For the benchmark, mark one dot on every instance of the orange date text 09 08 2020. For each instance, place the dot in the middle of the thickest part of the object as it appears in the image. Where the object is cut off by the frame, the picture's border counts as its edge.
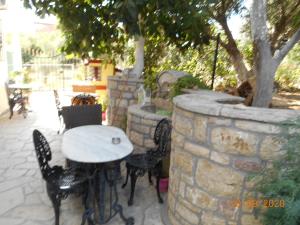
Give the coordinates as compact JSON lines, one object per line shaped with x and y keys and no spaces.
{"x":255,"y":203}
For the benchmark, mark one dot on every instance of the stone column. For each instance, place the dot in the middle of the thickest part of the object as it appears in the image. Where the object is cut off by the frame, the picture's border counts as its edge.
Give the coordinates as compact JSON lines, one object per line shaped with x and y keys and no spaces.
{"x":216,"y":144}
{"x":122,"y":92}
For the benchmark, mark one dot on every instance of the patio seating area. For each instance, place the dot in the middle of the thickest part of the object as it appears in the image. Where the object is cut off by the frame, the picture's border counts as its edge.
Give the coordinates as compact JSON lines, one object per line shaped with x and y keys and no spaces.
{"x":23,"y":193}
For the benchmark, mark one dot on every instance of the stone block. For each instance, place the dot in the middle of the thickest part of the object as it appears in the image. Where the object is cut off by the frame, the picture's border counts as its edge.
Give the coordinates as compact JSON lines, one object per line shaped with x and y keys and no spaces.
{"x":218,"y":180}
{"x":171,"y":202}
{"x":220,"y":157}
{"x":200,"y":125}
{"x":140,"y":128}
{"x":173,"y":220}
{"x":137,"y":138}
{"x":208,"y":218}
{"x":114,"y":94}
{"x":189,"y":179}
{"x":182,"y":189}
{"x":216,"y":121}
{"x":257,"y":127}
{"x":201,"y":198}
{"x":184,"y":125}
{"x":122,"y":103}
{"x":149,"y":122}
{"x":184,"y":161}
{"x":232,"y":141}
{"x":127,"y":88}
{"x":270,"y":148}
{"x":174,"y":179}
{"x":249,"y":219}
{"x":248,"y":164}
{"x":229,"y":209}
{"x":196,"y":149}
{"x":184,"y":113}
{"x":127,"y":95}
{"x":187,"y":214}
{"x":112,"y":84}
{"x":177,"y":139}
{"x":135,"y":119}
{"x":247,"y":207}
{"x":194,"y":208}
{"x":148,"y":143}
{"x":132,"y":101}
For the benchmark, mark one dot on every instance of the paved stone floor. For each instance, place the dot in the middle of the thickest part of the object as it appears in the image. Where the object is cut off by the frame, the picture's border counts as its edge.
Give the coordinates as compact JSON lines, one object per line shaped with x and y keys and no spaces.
{"x":23,"y":199}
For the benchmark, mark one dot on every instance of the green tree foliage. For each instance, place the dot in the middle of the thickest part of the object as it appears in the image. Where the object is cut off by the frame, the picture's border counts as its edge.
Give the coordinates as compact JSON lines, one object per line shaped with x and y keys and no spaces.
{"x":188,"y":82}
{"x":103,"y":27}
{"x":160,"y":56}
{"x":40,"y":44}
{"x":282,"y":180}
{"x":288,"y":73}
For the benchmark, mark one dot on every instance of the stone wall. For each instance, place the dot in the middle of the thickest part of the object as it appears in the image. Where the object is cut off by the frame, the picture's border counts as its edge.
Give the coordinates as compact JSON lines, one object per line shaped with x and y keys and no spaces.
{"x":141,"y":126}
{"x":122,"y":92}
{"x":214,"y":147}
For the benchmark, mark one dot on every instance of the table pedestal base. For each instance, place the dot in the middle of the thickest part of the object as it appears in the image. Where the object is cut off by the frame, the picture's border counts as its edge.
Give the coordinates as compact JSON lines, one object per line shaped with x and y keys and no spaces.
{"x":102,"y":197}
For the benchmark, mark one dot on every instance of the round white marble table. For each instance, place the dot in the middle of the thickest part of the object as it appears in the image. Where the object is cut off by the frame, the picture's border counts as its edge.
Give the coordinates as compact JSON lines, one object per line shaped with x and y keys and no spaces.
{"x":92,"y":147}
{"x":93,"y":144}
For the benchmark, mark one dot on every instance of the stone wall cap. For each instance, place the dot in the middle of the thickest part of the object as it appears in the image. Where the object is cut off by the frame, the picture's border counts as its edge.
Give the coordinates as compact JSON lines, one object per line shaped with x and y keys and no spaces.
{"x":125,"y":79}
{"x":136,"y":110}
{"x":224,"y":105}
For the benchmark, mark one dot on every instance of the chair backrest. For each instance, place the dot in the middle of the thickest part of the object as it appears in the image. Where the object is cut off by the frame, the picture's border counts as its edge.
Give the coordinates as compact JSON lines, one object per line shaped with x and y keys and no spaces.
{"x":162,"y":137}
{"x":80,"y":115}
{"x":84,"y":99}
{"x":43,"y":153}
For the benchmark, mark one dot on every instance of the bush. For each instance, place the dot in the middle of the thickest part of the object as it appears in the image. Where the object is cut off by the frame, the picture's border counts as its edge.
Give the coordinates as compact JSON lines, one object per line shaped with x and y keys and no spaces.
{"x":282,"y":180}
{"x":187,"y":82}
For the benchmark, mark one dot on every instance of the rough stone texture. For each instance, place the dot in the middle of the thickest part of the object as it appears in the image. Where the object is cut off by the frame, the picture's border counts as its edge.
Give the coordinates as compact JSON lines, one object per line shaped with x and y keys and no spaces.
{"x":214,"y":146}
{"x":209,"y":219}
{"x":23,"y":196}
{"x":141,"y":126}
{"x":220,"y":157}
{"x":270,"y":148}
{"x":201,"y":199}
{"x":234,"y":141}
{"x":218,"y":180}
{"x":196,"y":149}
{"x":121,"y":94}
{"x":257,"y":127}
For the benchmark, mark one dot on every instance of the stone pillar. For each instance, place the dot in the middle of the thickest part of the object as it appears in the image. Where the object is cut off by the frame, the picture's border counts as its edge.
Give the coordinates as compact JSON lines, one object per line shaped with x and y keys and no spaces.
{"x":122,"y":92}
{"x":216,"y":143}
{"x":141,"y":124}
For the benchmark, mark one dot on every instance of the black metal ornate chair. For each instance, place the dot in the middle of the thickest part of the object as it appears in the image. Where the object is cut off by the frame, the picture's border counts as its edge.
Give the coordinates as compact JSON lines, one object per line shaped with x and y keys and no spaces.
{"x":151,"y":162}
{"x":80,"y":115}
{"x":59,"y":182}
{"x":15,"y":98}
{"x":59,"y":109}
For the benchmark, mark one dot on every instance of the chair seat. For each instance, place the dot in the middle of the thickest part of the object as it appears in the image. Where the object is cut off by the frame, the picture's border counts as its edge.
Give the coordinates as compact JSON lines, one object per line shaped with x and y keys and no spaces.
{"x":144,"y":161}
{"x":69,"y":180}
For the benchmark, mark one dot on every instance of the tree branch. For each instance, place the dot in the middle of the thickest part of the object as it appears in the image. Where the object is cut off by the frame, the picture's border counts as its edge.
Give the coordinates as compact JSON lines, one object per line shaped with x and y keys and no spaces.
{"x":280,"y":54}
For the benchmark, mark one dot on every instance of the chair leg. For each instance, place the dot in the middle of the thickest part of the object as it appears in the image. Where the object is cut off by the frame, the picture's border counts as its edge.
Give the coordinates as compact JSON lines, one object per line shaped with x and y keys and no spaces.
{"x":133,"y":177}
{"x":159,"y":168}
{"x":150,"y":177}
{"x":11,"y":110}
{"x":127,"y":175}
{"x":55,"y":199}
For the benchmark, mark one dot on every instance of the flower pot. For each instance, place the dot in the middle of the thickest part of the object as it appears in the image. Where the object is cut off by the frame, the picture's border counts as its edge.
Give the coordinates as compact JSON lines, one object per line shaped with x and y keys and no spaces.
{"x":103,"y":116}
{"x":163,"y":184}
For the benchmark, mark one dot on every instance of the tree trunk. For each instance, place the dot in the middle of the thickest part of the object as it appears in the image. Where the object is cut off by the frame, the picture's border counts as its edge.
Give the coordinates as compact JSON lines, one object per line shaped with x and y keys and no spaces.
{"x":233,"y":51}
{"x":264,"y":69}
{"x":139,"y":57}
{"x":264,"y":64}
